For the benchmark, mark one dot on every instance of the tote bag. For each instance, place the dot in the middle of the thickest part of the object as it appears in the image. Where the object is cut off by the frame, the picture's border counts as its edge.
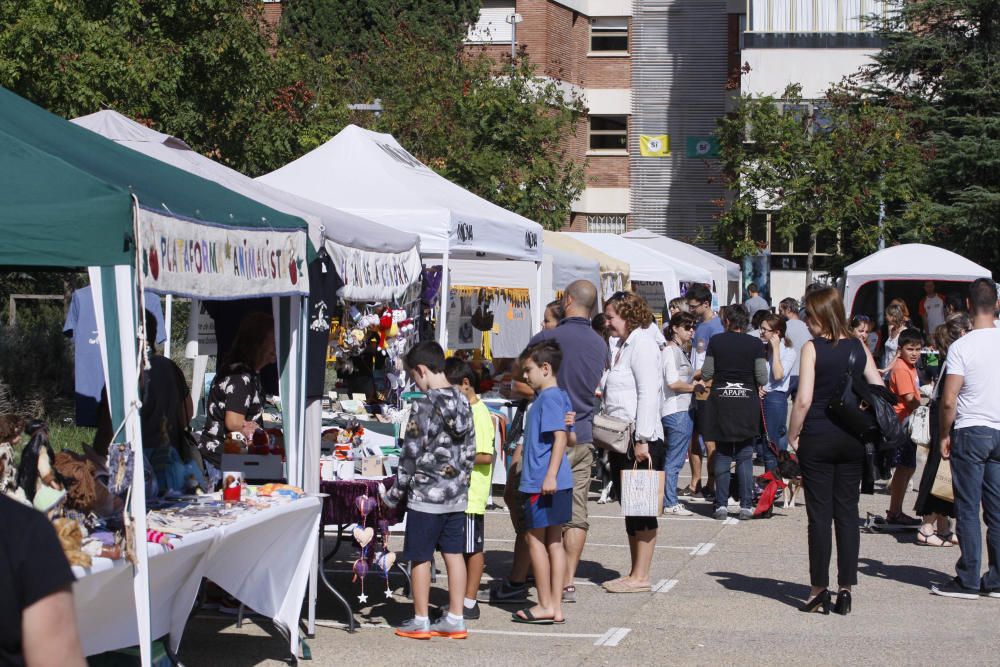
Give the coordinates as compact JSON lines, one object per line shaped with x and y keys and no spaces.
{"x":942,"y":482}
{"x":641,"y":491}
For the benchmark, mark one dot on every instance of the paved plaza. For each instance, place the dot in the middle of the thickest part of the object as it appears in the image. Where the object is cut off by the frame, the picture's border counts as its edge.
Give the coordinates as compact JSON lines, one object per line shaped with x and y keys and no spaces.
{"x":725,"y":593}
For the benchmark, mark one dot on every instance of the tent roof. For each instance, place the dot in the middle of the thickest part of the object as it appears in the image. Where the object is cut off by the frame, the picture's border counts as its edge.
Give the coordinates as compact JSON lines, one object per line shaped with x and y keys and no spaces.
{"x":370,"y":174}
{"x":608,"y":263}
{"x":733,"y":271}
{"x":67,"y":197}
{"x":339,"y":226}
{"x":568,"y":267}
{"x":915,"y":261}
{"x":325,"y":223}
{"x":644,"y":264}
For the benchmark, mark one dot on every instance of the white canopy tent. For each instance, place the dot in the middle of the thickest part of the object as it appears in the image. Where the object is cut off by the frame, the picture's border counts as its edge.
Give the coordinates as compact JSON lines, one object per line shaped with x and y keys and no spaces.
{"x":372,"y":175}
{"x":560,"y":268}
{"x":376,"y":263}
{"x":910,"y":261}
{"x":723,"y":271}
{"x":646,"y":265}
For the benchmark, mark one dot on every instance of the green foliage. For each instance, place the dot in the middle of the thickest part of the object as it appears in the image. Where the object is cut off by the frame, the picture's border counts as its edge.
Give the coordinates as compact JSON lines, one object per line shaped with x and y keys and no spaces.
{"x":36,"y":359}
{"x":499,"y":133}
{"x":829,"y":168}
{"x":942,"y":60}
{"x":354,"y":27}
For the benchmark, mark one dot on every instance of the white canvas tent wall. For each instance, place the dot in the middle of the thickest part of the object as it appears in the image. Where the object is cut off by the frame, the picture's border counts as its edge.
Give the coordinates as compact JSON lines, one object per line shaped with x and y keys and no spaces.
{"x":561,"y":268}
{"x":372,"y":175}
{"x":910,"y":261}
{"x":723,"y":271}
{"x":387,"y":258}
{"x":614,"y":272}
{"x":644,"y":264}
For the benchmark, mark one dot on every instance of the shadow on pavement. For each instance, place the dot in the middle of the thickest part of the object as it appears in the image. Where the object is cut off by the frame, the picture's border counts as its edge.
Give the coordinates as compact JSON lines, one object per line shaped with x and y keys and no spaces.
{"x":915,"y":575}
{"x":783,"y":591}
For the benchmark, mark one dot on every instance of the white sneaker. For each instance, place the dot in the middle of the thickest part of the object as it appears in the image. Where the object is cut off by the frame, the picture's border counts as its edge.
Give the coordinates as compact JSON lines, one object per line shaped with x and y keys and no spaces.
{"x":678,"y":510}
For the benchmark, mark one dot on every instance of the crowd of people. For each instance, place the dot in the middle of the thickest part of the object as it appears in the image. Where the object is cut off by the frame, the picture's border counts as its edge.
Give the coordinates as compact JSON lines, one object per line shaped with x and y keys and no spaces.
{"x":717,"y":389}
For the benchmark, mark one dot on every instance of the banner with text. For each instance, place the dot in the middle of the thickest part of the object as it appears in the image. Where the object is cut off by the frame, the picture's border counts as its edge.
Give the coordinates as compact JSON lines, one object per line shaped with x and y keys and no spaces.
{"x":190,"y":258}
{"x":374,"y":276}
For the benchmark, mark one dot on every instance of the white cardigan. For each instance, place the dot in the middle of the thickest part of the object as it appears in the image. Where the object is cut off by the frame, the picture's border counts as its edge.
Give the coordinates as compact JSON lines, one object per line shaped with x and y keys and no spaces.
{"x":633,"y":387}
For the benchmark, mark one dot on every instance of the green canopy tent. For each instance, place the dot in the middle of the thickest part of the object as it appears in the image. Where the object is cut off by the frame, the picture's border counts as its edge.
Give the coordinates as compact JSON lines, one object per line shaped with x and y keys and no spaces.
{"x":71,"y":199}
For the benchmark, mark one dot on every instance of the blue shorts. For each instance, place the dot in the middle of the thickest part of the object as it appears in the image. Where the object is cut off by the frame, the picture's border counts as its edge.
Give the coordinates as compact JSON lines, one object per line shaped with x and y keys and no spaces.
{"x":550,"y":510}
{"x":905,"y":455}
{"x":425,"y":532}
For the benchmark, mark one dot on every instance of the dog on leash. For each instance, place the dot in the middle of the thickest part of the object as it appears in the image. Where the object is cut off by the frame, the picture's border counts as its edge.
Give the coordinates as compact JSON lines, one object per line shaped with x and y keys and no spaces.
{"x":603,"y":475}
{"x":791,"y":475}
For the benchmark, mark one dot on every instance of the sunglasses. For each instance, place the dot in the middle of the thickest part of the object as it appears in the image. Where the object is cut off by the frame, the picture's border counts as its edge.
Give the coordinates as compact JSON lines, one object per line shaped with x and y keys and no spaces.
{"x":687,"y":327}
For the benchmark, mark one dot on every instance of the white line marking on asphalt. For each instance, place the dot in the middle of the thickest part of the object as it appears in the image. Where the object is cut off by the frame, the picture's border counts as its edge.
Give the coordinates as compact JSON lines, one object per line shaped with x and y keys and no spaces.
{"x":664,"y":585}
{"x":612,"y":637}
{"x":702,"y":549}
{"x":619,"y":517}
{"x":731,"y":521}
{"x":616,"y":546}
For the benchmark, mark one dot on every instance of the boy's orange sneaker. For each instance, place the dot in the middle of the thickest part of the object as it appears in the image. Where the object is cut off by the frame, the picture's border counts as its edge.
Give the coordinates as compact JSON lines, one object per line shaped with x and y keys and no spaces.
{"x":414,"y":629}
{"x":444,"y":627}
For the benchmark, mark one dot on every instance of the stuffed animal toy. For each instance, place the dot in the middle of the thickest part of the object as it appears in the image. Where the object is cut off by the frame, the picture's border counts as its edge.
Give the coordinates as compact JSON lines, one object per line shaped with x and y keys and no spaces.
{"x":10,"y":433}
{"x":36,"y":469}
{"x":71,"y":538}
{"x":84,"y":492}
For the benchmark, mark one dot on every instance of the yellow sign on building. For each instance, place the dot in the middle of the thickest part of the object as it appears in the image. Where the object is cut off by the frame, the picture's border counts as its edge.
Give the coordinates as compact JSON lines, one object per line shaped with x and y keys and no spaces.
{"x":654,"y":145}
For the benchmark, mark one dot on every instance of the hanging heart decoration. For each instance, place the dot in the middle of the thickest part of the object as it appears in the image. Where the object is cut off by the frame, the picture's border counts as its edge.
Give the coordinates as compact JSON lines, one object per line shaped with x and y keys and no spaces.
{"x":383,"y":526}
{"x":365,"y":504}
{"x":384,"y":561}
{"x":361,"y":567}
{"x":364,"y":536}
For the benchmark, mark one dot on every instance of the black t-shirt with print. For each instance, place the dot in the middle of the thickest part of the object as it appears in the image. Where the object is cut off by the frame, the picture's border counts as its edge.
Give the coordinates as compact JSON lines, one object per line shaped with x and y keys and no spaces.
{"x":324,"y":281}
{"x":32,"y":567}
{"x":237,"y":390}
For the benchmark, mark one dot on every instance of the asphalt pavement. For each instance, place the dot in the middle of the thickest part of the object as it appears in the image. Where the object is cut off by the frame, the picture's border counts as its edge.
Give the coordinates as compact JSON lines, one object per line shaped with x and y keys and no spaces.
{"x":725,"y":593}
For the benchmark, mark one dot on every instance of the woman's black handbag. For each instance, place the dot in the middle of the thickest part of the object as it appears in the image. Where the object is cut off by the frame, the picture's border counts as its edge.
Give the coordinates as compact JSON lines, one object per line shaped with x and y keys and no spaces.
{"x":865,"y":411}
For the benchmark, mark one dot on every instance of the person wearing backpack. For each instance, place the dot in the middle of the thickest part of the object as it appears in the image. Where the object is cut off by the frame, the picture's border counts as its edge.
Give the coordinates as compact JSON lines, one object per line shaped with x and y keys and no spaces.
{"x":831,"y":458}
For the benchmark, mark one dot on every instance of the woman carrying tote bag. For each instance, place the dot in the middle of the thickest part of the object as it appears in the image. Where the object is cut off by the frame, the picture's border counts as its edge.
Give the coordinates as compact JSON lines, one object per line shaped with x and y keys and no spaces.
{"x":735,"y":363}
{"x":632,"y":391}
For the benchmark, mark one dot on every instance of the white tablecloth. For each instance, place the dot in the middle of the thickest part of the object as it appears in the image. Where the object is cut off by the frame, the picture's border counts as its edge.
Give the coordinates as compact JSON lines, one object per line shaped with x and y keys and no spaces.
{"x":260,"y":559}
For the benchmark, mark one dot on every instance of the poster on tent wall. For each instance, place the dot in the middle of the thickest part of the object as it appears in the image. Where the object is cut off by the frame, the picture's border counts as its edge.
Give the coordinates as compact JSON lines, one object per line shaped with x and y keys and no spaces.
{"x":374,"y":276}
{"x":189,"y":258}
{"x":462,"y":335}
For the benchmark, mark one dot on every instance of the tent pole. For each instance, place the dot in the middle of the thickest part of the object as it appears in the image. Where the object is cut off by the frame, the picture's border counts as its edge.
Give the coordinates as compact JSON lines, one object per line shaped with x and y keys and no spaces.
{"x":536,"y":312}
{"x":168,"y":324}
{"x":445,"y":289}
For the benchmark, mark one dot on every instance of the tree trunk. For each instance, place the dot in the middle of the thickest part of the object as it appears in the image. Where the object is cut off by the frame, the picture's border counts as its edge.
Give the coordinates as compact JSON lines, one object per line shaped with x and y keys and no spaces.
{"x":810,"y":258}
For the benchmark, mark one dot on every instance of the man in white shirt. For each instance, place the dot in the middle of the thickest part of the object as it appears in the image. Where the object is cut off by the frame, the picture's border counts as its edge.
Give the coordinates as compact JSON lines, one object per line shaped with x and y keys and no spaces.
{"x":798,"y":333}
{"x":931,"y":308}
{"x":970,"y":402}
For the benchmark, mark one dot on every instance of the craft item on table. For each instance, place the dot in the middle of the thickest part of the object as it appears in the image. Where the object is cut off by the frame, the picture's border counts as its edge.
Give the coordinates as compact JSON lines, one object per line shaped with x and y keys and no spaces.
{"x":371,"y":466}
{"x":71,"y":539}
{"x":232,"y":487}
{"x":121,"y":462}
{"x":96,"y":549}
{"x":235,"y":443}
{"x":156,"y":537}
{"x":85,"y":493}
{"x":35,"y":472}
{"x":284,"y":490}
{"x":10,"y":434}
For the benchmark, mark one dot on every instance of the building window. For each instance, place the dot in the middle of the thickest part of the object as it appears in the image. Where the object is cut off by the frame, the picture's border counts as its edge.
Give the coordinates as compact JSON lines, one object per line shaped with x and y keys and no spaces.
{"x":608,"y":133}
{"x":790,"y":254}
{"x":492,"y":26}
{"x":606,"y":224}
{"x":609,"y":34}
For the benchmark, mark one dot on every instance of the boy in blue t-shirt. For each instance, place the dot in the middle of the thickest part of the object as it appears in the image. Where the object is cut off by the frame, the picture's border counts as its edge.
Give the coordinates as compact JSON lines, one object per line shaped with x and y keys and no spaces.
{"x":546,"y":481}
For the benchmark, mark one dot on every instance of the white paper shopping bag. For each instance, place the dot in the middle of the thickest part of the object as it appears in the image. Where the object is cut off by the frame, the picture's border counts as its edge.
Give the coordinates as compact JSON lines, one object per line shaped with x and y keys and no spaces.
{"x":642,"y":492}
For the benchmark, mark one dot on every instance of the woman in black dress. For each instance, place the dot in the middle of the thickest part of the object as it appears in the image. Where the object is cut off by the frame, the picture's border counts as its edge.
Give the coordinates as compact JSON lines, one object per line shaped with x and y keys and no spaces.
{"x":831,"y":459}
{"x":936,"y":528}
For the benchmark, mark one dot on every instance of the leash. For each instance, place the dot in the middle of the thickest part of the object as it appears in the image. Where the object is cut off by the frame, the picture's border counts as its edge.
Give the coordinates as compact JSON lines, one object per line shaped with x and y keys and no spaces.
{"x":770,"y":443}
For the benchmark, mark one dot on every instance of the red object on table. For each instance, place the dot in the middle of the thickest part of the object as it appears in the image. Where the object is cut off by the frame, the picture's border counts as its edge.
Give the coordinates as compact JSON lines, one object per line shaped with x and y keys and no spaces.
{"x":233,"y":493}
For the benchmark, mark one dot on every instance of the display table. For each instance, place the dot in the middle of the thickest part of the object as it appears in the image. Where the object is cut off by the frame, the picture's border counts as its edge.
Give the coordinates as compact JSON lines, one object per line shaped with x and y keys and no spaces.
{"x":339,"y":510}
{"x":261,"y":559}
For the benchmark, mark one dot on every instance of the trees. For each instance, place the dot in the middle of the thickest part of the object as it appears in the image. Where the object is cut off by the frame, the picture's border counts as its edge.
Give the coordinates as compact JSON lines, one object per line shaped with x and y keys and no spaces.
{"x":200,"y":69}
{"x":829,"y":167}
{"x":358,"y":26}
{"x":942,"y":59}
{"x":500,"y":133}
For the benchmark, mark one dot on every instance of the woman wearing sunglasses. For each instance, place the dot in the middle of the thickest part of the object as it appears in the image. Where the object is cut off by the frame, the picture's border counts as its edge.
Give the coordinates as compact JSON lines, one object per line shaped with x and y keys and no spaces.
{"x":780,"y":355}
{"x":676,"y":406}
